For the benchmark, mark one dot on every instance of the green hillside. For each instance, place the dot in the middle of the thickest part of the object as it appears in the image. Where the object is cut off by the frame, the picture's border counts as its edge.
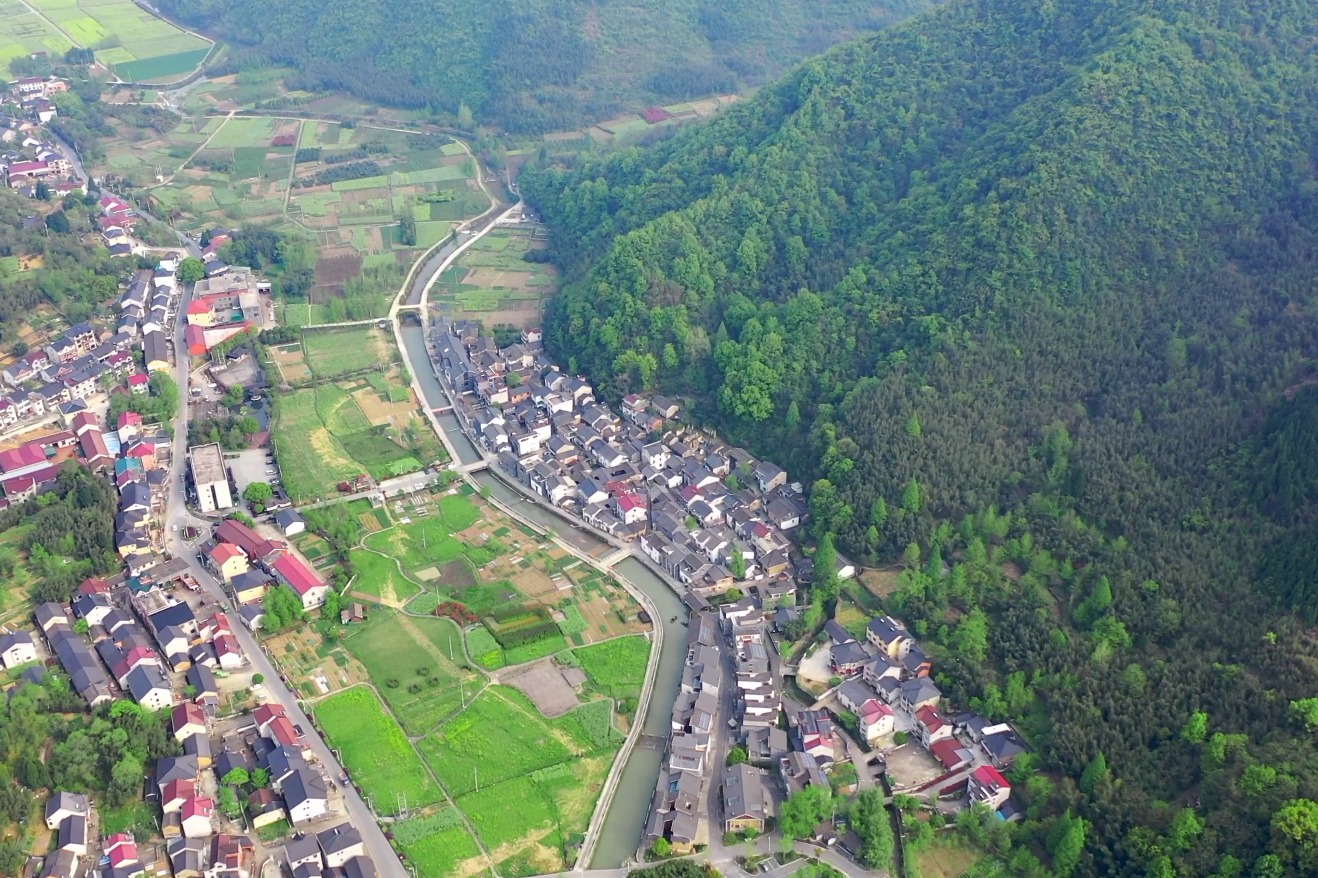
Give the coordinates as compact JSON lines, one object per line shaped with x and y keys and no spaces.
{"x":1019,"y":288}
{"x":536,"y":65}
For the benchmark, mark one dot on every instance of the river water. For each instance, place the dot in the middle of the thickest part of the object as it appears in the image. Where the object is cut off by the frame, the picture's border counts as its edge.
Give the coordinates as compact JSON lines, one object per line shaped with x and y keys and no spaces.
{"x":625,"y":821}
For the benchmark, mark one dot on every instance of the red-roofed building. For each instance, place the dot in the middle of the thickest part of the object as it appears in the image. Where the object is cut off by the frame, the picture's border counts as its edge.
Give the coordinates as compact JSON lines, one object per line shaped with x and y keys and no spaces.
{"x":950,"y":754}
{"x":304,"y":582}
{"x":228,"y":652}
{"x":139,"y":383}
{"x":281,"y":731}
{"x":186,"y":720}
{"x":22,"y":460}
{"x":174,"y":793}
{"x":257,"y":547}
{"x":632,"y":508}
{"x":94,"y":450}
{"x":35,"y":482}
{"x":93,"y":585}
{"x":120,"y":849}
{"x":226,"y":560}
{"x":195,"y":817}
{"x":875,"y":719}
{"x":930,"y":726}
{"x":266,"y":714}
{"x":130,"y":421}
{"x":987,"y":786}
{"x":194,"y":336}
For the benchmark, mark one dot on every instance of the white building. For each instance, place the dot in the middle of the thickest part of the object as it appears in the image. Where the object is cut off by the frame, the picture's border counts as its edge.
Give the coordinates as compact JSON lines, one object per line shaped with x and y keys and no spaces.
{"x":211,"y":478}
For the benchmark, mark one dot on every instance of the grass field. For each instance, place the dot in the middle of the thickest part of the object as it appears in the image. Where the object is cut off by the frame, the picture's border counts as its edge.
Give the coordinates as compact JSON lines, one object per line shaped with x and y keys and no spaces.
{"x":335,"y":352}
{"x":616,"y":667}
{"x":435,"y":844}
{"x":311,"y":458}
{"x":416,"y":654}
{"x":332,"y":432}
{"x":428,"y":541}
{"x":137,"y":45}
{"x":503,"y":736}
{"x":379,"y":576}
{"x":377,"y":753}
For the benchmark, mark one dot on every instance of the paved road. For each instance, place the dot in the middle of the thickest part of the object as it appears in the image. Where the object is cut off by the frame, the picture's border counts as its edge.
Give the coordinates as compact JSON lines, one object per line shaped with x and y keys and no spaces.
{"x":178,"y":517}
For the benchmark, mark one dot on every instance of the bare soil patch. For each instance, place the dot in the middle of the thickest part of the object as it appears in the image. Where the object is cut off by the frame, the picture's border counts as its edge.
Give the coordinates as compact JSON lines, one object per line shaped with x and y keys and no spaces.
{"x":536,"y":585}
{"x":332,"y":271}
{"x":498,"y":278}
{"x":379,"y":411}
{"x":543,"y":683}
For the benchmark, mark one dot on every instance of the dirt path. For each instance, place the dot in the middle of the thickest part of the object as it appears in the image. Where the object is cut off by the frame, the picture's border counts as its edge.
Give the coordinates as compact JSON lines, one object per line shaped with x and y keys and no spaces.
{"x":434,"y":651}
{"x":187,"y":161}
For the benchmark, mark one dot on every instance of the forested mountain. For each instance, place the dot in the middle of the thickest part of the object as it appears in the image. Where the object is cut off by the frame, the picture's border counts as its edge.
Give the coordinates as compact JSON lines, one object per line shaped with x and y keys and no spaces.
{"x":1027,"y":292}
{"x":536,"y":65}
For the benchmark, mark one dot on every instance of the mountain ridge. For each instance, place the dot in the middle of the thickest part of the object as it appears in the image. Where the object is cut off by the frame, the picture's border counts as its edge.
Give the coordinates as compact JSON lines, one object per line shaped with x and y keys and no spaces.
{"x":536,"y":65}
{"x":1013,"y":286}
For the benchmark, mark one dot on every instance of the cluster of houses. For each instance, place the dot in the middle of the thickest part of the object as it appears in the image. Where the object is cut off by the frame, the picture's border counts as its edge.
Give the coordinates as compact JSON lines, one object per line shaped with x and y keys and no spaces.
{"x":146,"y":309}
{"x":28,"y":155}
{"x":33,"y":467}
{"x":729,"y":661}
{"x":886,"y":686}
{"x":710,"y":515}
{"x":58,"y":378}
{"x":139,"y":644}
{"x":249,"y":564}
{"x":193,"y":849}
{"x":115,"y":225}
{"x":228,"y":301}
{"x":141,"y":476}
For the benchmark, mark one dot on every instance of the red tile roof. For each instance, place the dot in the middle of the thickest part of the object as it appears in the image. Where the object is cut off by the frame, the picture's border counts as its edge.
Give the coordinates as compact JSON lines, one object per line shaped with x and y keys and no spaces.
{"x":256,"y":546}
{"x":946,"y":752}
{"x":267,"y":712}
{"x":298,"y":576}
{"x":24,"y":455}
{"x":987,"y":775}
{"x":283,"y":733}
{"x":225,"y":552}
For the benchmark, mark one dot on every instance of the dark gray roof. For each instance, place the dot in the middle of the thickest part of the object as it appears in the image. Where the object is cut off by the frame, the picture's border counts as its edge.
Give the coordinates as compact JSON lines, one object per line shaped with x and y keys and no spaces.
{"x":203,"y":679}
{"x":74,"y":803}
{"x":837,"y":633}
{"x":73,"y":832}
{"x":338,"y":838}
{"x":303,"y":785}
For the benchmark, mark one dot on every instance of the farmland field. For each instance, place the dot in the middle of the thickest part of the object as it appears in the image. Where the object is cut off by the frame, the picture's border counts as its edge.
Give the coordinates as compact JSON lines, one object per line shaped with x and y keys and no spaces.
{"x":332,"y":352}
{"x":135,"y":44}
{"x":493,"y":283}
{"x":377,"y":753}
{"x":435,"y":844}
{"x":616,"y":667}
{"x":394,"y":648}
{"x":378,"y":576}
{"x":502,"y":736}
{"x":332,"y":432}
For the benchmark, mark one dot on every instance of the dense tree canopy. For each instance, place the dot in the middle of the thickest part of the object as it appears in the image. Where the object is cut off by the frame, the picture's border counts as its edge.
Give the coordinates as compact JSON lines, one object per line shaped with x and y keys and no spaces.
{"x":1023,"y":291}
{"x":536,"y":65}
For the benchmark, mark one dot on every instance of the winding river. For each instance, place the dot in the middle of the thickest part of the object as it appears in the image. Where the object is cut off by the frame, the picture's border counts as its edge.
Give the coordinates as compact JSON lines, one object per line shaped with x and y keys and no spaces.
{"x":625,"y":822}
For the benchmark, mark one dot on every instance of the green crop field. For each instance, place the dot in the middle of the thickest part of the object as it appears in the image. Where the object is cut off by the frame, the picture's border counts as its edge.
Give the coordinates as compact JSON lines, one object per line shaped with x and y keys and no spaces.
{"x":500,"y":735}
{"x":435,"y":844}
{"x":414,"y":653}
{"x":311,"y":458}
{"x":507,"y":812}
{"x":616,"y":667}
{"x":485,"y":649}
{"x":379,"y":576}
{"x":337,"y":351}
{"x":377,"y":754}
{"x":427,"y":541}
{"x":137,"y":45}
{"x":243,"y":132}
